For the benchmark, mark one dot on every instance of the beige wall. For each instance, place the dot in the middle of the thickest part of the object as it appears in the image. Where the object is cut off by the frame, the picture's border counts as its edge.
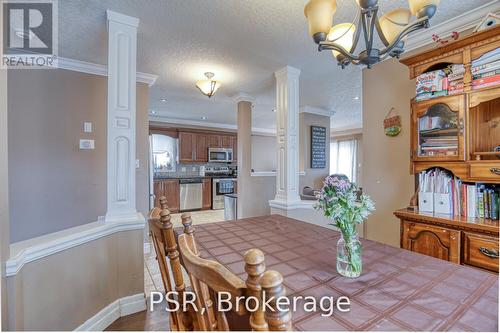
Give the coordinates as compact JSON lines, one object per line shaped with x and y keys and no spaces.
{"x":386,"y":177}
{"x":4,"y":199}
{"x":60,"y":292}
{"x":263,"y":153}
{"x":53,"y":184}
{"x":313,"y":177}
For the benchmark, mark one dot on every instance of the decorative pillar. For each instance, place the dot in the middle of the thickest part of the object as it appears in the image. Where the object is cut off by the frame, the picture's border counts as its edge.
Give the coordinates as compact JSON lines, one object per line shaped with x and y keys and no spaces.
{"x":244,"y":151}
{"x":287,"y":123}
{"x":122,"y":53}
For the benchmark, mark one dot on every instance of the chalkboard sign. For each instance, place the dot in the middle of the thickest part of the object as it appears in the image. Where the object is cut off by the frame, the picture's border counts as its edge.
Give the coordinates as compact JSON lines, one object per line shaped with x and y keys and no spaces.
{"x":318,"y":147}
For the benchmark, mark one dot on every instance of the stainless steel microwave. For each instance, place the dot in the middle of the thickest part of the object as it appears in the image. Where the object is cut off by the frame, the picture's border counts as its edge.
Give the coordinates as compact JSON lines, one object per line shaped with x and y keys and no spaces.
{"x":220,"y":155}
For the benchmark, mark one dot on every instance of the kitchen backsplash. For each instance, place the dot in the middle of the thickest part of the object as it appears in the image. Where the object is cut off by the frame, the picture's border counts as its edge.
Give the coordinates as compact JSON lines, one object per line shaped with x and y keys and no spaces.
{"x":188,"y":170}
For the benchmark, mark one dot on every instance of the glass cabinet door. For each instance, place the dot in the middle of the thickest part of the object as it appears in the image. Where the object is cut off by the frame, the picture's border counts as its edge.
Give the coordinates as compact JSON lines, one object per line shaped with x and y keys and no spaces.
{"x":438,"y":130}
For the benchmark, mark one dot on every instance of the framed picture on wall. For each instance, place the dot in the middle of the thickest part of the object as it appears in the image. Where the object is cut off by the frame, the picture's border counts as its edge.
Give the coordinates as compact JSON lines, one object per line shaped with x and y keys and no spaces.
{"x":318,"y":147}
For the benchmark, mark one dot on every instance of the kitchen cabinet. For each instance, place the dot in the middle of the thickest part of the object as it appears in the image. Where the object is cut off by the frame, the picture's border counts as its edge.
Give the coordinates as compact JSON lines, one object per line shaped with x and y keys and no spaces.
{"x":187,"y":147}
{"x":168,"y":188}
{"x":207,"y":193}
{"x":193,"y":146}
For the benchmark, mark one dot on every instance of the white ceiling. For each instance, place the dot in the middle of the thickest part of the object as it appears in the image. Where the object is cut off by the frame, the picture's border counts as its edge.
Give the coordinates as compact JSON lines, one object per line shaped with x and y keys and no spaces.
{"x":242,"y":41}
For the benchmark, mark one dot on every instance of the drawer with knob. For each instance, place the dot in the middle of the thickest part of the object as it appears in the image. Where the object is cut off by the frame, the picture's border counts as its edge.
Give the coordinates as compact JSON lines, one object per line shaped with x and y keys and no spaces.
{"x":481,"y":251}
{"x":489,"y":171}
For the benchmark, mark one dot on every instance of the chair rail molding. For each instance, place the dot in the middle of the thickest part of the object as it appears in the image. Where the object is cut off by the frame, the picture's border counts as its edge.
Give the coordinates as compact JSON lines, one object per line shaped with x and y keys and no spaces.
{"x":33,"y":249}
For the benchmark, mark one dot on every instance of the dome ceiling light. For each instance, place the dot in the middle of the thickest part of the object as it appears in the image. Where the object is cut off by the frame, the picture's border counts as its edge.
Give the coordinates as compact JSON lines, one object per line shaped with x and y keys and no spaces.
{"x":342,"y":39}
{"x":208,"y":87}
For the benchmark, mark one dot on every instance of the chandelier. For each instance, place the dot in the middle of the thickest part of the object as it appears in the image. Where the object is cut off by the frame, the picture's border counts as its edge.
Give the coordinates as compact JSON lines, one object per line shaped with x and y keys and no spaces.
{"x":208,"y":87}
{"x":342,"y":39}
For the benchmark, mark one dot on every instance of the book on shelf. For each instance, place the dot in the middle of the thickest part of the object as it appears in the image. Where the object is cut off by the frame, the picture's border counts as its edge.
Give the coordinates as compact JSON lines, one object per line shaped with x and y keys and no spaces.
{"x":487,"y":58}
{"x":428,"y":95}
{"x":486,"y":74}
{"x":486,"y":81}
{"x":466,"y":200}
{"x":485,"y":67}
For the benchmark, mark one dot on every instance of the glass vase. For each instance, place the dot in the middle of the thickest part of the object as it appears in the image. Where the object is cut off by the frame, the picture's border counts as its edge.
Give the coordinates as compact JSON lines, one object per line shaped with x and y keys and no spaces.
{"x":349,"y":256}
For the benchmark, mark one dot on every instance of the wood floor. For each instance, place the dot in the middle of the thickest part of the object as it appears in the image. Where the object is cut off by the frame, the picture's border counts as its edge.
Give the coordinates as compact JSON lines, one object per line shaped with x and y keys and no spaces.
{"x":157,"y":320}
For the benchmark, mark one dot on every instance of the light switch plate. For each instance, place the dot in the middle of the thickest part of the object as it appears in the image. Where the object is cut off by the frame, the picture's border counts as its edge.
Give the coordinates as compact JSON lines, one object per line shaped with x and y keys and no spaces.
{"x":137,"y":164}
{"x":87,"y":127}
{"x":86,"y":144}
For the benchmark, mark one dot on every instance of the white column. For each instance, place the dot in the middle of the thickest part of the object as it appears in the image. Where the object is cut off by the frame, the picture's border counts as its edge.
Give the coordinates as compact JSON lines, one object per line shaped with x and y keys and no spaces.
{"x":244,"y":120}
{"x":121,"y":143}
{"x":287,"y":123}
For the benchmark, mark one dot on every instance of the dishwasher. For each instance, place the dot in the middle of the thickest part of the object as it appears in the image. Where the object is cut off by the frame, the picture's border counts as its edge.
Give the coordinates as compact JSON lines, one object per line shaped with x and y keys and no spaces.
{"x":191,"y":194}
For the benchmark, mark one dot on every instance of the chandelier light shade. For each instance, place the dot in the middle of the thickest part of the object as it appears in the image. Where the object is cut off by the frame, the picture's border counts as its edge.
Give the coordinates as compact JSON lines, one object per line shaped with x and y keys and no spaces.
{"x":343,"y":35}
{"x":209,"y":86}
{"x":394,"y":22}
{"x":319,"y":14}
{"x":422,"y":8}
{"x":343,"y":39}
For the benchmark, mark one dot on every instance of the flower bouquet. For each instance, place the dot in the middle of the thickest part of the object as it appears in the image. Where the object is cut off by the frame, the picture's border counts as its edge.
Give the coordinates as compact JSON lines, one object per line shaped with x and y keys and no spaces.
{"x":339,"y":201}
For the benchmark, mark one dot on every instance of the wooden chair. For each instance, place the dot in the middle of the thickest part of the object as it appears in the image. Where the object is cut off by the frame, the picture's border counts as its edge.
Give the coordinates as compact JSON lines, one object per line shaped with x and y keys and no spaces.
{"x":165,"y":246}
{"x":210,"y":277}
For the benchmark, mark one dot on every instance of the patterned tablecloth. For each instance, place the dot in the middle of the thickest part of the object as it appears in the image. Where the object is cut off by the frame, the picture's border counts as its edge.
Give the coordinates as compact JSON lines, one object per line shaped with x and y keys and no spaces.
{"x":398,"y":290}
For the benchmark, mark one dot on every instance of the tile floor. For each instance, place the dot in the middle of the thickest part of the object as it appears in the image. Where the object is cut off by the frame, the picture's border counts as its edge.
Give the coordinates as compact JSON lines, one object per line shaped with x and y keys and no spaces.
{"x":152,"y":276}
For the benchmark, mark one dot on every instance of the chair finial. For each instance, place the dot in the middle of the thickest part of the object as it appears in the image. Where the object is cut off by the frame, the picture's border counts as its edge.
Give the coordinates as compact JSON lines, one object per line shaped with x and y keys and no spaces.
{"x":255,"y":267}
{"x":187,"y":223}
{"x":272,"y":283}
{"x":163,"y":202}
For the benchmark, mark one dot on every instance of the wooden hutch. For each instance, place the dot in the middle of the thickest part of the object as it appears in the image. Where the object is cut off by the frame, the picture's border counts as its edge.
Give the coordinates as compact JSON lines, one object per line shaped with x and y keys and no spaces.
{"x":476,"y":118}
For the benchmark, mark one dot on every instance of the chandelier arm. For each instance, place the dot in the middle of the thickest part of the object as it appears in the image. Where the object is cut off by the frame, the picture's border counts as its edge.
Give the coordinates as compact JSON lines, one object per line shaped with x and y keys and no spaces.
{"x":357,"y":35}
{"x":373,"y":18}
{"x":333,"y":46}
{"x":417,"y":25}
{"x":365,"y":30}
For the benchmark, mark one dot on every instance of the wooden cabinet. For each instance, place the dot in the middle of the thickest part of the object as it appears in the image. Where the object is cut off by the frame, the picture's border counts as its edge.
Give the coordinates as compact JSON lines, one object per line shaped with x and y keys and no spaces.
{"x":481,"y":251}
{"x":472,"y":242}
{"x":193,"y":146}
{"x":187,"y":147}
{"x":207,"y":193}
{"x":170,"y":189}
{"x":437,"y":242}
{"x":437,"y":129}
{"x":234,"y":145}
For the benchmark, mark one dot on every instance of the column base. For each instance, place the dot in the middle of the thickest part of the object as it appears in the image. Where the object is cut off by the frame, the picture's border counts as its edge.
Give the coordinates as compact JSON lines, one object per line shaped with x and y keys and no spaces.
{"x":124,"y":217}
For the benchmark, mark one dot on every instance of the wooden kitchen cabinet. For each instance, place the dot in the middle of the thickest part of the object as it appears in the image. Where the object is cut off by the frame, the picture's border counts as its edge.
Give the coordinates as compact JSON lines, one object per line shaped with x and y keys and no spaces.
{"x":434,"y":241}
{"x":170,"y":189}
{"x":207,"y":193}
{"x":481,"y":251}
{"x":187,"y":147}
{"x":193,"y":146}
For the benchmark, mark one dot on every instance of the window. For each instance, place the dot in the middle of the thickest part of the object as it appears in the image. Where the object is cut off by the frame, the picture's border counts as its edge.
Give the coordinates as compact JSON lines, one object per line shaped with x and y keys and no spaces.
{"x":343,"y":158}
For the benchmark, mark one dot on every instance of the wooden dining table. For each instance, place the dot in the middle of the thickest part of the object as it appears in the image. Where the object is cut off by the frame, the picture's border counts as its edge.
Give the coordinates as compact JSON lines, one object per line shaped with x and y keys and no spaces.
{"x":398,"y":290}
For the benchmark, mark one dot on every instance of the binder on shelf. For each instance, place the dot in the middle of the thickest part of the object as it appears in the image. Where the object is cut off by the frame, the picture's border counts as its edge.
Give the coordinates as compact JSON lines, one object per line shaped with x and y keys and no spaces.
{"x":426,"y":202}
{"x":442,"y":203}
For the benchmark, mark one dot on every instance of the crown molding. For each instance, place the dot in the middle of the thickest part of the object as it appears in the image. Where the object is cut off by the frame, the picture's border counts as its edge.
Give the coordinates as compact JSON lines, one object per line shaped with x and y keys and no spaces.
{"x":97,"y":69}
{"x":187,"y":122}
{"x":287,"y":70}
{"x":318,"y":111}
{"x":458,"y":23}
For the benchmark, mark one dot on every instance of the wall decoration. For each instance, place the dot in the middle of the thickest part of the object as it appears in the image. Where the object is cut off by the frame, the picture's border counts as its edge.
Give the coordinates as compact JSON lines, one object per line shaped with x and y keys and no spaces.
{"x":318,"y":147}
{"x":443,"y":41}
{"x":392,"y":123}
{"x":489,"y":21}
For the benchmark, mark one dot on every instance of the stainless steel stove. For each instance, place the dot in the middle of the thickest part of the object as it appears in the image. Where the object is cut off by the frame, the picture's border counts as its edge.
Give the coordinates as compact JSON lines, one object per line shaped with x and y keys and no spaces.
{"x":222,"y":183}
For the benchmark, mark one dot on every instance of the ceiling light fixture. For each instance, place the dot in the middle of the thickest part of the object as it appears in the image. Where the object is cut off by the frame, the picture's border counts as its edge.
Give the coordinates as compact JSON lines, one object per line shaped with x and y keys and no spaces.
{"x":153,"y":112}
{"x":275,"y":110}
{"x":342,"y":39}
{"x":204,"y":118}
{"x":356,"y":98}
{"x":163,"y":99}
{"x":208,"y":87}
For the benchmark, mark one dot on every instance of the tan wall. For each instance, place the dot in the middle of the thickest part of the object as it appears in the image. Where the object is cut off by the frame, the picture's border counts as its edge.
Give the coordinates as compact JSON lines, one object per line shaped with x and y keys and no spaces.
{"x":385,"y":175}
{"x":263,"y":153}
{"x":60,"y":292}
{"x":4,"y":199}
{"x":52,"y":182}
{"x":313,"y":177}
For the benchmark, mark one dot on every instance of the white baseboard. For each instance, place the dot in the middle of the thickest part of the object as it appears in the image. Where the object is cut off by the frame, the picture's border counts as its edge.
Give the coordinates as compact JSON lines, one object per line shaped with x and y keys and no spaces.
{"x":119,"y":308}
